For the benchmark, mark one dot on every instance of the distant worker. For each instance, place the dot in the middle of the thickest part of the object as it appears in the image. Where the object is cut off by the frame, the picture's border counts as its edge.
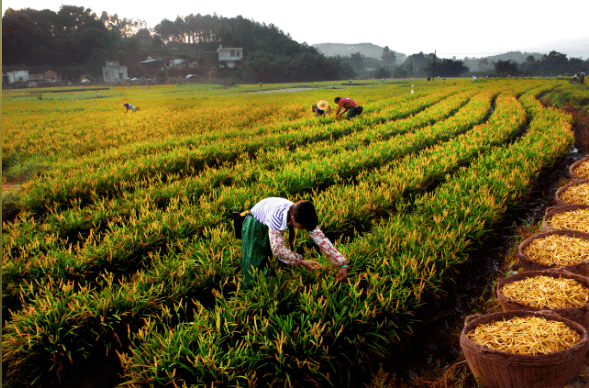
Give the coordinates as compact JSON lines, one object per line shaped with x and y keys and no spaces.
{"x":348,"y":105}
{"x":129,"y":107}
{"x":582,"y":77}
{"x":320,"y":108}
{"x":97,"y":94}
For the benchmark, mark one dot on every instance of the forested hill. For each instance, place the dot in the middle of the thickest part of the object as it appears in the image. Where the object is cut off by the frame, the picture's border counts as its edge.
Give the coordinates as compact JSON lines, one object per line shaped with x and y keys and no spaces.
{"x":77,"y":40}
{"x":366,"y":50}
{"x":487,"y":63}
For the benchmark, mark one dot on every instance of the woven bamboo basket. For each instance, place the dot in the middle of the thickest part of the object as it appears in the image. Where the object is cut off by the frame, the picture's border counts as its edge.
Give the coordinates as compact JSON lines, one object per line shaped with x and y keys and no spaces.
{"x":561,"y":190}
{"x":573,"y":167}
{"x":497,"y":369}
{"x":528,"y":264}
{"x":551,"y":211}
{"x":578,"y":314}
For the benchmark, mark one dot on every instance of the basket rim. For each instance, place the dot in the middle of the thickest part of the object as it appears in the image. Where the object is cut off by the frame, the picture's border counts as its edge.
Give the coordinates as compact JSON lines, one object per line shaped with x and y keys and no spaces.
{"x":577,"y":164}
{"x":562,"y":189}
{"x":548,"y":314}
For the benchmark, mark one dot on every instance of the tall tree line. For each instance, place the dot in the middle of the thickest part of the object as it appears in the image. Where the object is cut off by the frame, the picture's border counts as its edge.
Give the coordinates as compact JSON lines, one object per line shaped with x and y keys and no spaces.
{"x":76,"y":37}
{"x":271,"y":54}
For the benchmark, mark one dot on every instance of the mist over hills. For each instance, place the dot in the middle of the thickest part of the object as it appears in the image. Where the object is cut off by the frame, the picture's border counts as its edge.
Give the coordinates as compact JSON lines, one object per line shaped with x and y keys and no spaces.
{"x":367,"y":50}
{"x":486,"y":63}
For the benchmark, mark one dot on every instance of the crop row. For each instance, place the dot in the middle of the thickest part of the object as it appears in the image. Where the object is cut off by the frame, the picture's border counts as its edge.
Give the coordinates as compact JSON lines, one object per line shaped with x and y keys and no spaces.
{"x":28,"y":124}
{"x":128,"y":248}
{"x":342,"y":166}
{"x":104,"y":180}
{"x":220,"y":269}
{"x":91,"y":218}
{"x":291,"y":330}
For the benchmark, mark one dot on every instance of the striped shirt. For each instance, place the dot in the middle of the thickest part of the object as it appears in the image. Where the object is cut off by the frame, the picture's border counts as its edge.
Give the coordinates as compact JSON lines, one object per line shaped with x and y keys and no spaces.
{"x":272,"y":212}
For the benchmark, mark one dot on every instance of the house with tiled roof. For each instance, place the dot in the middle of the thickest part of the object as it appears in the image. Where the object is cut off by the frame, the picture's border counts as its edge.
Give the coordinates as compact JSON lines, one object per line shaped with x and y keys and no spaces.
{"x":43,"y":74}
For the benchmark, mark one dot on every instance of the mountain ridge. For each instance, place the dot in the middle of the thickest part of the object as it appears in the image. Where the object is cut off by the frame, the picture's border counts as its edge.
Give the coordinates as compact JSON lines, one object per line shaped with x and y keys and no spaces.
{"x":373,"y":51}
{"x":367,"y":50}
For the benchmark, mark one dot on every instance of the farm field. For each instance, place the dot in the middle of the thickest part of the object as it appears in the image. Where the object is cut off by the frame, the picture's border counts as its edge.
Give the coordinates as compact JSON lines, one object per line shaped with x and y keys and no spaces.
{"x":123,"y":249}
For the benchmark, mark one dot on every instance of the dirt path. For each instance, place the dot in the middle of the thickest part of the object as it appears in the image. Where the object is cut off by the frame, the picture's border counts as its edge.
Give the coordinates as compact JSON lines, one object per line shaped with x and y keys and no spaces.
{"x":286,"y":90}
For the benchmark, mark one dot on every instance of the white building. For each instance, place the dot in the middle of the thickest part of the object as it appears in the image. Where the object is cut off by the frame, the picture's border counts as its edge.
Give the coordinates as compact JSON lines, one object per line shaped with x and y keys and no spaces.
{"x":16,"y":73}
{"x":230,"y":55}
{"x":113,"y":72}
{"x":177,"y":63}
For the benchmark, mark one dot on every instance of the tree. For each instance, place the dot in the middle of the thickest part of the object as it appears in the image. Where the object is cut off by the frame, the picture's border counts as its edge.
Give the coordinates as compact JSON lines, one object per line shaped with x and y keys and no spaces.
{"x":382,"y":73}
{"x":387,"y":58}
{"x":143,"y":36}
{"x":483,"y":64}
{"x":357,"y":61}
{"x":74,"y":19}
{"x":450,"y":68}
{"x":167,"y":30}
{"x":157,"y":42}
{"x":400,"y":73}
{"x":505,"y":68}
{"x":419,"y":65}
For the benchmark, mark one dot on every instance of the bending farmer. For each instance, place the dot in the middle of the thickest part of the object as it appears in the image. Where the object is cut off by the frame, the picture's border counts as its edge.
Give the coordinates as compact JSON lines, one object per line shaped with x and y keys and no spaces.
{"x":348,"y":105}
{"x":320,"y":108}
{"x":129,"y":107}
{"x":262,"y":236}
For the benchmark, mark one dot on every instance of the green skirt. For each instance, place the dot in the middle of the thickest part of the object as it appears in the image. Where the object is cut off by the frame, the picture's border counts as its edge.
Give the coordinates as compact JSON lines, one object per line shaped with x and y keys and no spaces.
{"x":255,"y":248}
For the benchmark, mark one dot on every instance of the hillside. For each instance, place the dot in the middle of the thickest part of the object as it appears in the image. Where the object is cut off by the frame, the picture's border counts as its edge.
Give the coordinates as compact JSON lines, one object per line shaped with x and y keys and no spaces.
{"x":486,"y":63}
{"x":370,"y":50}
{"x":367,"y":50}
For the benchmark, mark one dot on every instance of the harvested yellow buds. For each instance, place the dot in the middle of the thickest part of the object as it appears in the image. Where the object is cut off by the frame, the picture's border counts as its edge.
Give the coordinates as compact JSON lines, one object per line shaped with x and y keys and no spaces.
{"x":525,"y":335}
{"x":547,"y":292}
{"x":576,"y":194}
{"x":572,"y":220}
{"x":558,"y":250}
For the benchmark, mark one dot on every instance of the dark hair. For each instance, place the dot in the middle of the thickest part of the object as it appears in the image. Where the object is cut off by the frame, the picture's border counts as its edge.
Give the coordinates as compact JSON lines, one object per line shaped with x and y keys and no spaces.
{"x":336,"y":101}
{"x":305,"y":214}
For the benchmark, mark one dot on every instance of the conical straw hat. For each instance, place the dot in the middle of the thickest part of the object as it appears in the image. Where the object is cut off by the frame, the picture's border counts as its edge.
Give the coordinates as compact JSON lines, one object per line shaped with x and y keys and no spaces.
{"x":322,"y":104}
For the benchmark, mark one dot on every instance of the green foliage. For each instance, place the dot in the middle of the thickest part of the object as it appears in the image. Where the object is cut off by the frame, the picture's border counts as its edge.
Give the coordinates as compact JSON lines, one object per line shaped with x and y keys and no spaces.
{"x":505,"y":68}
{"x":130,"y":249}
{"x":19,"y":167}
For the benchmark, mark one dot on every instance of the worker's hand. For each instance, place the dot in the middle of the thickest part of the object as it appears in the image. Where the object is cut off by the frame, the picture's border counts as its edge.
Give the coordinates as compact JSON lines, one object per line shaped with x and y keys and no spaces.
{"x":341,"y":274}
{"x":310,"y":265}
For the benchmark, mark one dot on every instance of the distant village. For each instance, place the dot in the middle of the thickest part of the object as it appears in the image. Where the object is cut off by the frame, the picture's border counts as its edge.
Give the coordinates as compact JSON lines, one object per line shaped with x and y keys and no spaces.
{"x":114,"y":73}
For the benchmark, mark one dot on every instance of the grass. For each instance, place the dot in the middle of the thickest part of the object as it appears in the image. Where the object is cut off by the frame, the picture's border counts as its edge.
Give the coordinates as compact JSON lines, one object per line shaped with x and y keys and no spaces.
{"x":19,"y":168}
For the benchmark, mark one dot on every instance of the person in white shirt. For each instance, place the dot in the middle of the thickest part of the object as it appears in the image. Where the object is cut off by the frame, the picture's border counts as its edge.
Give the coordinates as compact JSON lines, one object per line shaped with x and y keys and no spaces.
{"x":262,"y":236}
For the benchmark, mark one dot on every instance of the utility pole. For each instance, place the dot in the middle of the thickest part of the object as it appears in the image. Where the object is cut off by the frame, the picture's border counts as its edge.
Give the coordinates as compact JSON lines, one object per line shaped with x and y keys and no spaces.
{"x":434,"y":72}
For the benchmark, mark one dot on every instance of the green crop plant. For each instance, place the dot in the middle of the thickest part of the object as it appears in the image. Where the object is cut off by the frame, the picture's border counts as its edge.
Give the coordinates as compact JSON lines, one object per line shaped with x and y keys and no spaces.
{"x":129,"y":248}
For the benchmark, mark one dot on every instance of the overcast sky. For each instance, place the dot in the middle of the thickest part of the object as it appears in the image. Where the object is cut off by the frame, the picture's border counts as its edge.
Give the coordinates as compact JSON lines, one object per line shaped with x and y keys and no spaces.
{"x":453,"y":28}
